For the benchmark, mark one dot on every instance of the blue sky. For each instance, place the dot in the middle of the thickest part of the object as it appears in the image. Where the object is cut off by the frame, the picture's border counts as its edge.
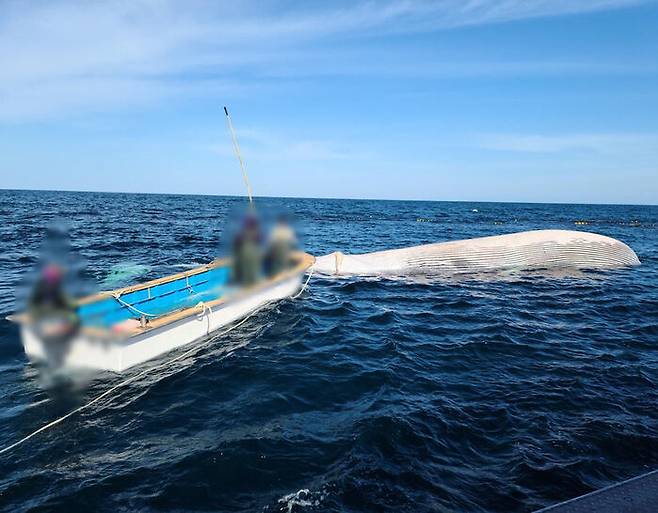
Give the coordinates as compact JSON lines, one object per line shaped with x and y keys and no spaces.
{"x":512,"y":100}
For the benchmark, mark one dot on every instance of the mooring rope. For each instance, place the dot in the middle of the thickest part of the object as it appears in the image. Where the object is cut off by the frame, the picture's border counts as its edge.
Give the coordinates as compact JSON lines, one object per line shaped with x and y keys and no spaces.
{"x":144,"y":372}
{"x":122,"y":384}
{"x":304,"y":286}
{"x":205,"y":308}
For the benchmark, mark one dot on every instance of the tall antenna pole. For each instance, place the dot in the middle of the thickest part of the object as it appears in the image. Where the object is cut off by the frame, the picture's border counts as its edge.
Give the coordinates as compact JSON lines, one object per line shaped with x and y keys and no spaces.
{"x":236,"y":147}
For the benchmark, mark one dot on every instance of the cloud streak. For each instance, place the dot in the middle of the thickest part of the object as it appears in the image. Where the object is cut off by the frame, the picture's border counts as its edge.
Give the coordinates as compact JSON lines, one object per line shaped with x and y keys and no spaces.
{"x":62,"y":58}
{"x":601,"y":145}
{"x":258,"y":145}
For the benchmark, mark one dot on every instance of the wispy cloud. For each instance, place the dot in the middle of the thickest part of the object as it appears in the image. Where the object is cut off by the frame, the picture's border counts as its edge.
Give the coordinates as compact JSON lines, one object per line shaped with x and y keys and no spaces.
{"x":259,"y":145}
{"x":67,"y":57}
{"x":600,"y":144}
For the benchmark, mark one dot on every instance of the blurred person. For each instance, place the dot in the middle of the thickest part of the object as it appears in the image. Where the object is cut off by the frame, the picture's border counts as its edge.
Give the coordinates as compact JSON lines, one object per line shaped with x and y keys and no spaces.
{"x":52,"y":312}
{"x":282,"y":242}
{"x":247,"y":253}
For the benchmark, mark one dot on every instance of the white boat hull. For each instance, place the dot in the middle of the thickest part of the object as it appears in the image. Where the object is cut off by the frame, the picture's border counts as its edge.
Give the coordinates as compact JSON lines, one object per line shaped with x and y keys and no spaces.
{"x":118,"y":354}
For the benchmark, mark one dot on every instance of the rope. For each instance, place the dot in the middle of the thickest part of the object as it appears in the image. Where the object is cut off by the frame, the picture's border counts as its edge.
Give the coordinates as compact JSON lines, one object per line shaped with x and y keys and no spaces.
{"x":205,"y":308}
{"x":122,"y":384}
{"x":140,"y":312}
{"x":188,"y":286}
{"x":305,"y":284}
{"x":131,"y":307}
{"x":146,"y":371}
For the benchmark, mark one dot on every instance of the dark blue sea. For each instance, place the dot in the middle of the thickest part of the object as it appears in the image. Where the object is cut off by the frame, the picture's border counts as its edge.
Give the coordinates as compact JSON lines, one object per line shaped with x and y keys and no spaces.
{"x":473,"y":395}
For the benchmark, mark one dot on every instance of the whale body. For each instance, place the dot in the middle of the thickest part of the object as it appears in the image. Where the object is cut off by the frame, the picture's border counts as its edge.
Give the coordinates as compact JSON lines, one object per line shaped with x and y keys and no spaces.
{"x":537,"y":249}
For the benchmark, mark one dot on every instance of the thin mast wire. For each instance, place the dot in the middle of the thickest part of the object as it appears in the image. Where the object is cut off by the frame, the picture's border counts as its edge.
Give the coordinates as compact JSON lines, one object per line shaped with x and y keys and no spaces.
{"x":236,"y":147}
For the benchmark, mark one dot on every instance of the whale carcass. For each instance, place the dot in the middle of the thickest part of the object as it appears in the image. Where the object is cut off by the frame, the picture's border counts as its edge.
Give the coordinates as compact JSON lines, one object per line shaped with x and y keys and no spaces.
{"x":537,"y":249}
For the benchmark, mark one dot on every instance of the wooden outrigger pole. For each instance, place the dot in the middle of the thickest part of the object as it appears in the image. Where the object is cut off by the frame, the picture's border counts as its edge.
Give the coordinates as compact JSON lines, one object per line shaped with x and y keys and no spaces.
{"x":236,"y":147}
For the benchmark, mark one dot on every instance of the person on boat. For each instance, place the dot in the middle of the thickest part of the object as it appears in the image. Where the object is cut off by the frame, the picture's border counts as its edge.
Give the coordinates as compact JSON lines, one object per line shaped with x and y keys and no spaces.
{"x":281,"y":243}
{"x":247,"y":253}
{"x":51,"y":311}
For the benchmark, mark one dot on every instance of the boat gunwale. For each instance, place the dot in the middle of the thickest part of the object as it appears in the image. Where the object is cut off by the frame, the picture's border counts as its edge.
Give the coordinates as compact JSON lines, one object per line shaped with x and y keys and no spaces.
{"x":223,"y":262}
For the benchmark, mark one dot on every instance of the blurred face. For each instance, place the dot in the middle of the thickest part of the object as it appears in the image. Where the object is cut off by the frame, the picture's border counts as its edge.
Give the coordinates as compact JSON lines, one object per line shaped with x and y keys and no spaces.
{"x":52,"y":275}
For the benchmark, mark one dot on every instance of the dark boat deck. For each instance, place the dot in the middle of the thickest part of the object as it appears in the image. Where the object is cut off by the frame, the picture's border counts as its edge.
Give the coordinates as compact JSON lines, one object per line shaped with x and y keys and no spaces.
{"x":637,"y":495}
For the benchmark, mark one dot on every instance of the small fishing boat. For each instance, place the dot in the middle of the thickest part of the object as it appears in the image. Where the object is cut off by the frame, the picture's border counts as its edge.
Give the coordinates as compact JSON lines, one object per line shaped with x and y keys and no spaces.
{"x":119,"y":329}
{"x":128,"y":326}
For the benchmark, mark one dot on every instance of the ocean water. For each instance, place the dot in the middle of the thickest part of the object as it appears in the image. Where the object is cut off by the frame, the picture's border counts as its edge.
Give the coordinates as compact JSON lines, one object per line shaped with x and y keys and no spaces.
{"x":473,"y":395}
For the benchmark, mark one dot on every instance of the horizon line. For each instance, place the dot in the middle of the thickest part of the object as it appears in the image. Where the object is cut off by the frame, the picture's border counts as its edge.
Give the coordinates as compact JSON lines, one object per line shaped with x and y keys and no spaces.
{"x":14,"y":189}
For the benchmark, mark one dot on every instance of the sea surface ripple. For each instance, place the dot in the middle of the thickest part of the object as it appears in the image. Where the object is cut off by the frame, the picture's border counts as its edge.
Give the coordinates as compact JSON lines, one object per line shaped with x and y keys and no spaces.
{"x":500,"y":394}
